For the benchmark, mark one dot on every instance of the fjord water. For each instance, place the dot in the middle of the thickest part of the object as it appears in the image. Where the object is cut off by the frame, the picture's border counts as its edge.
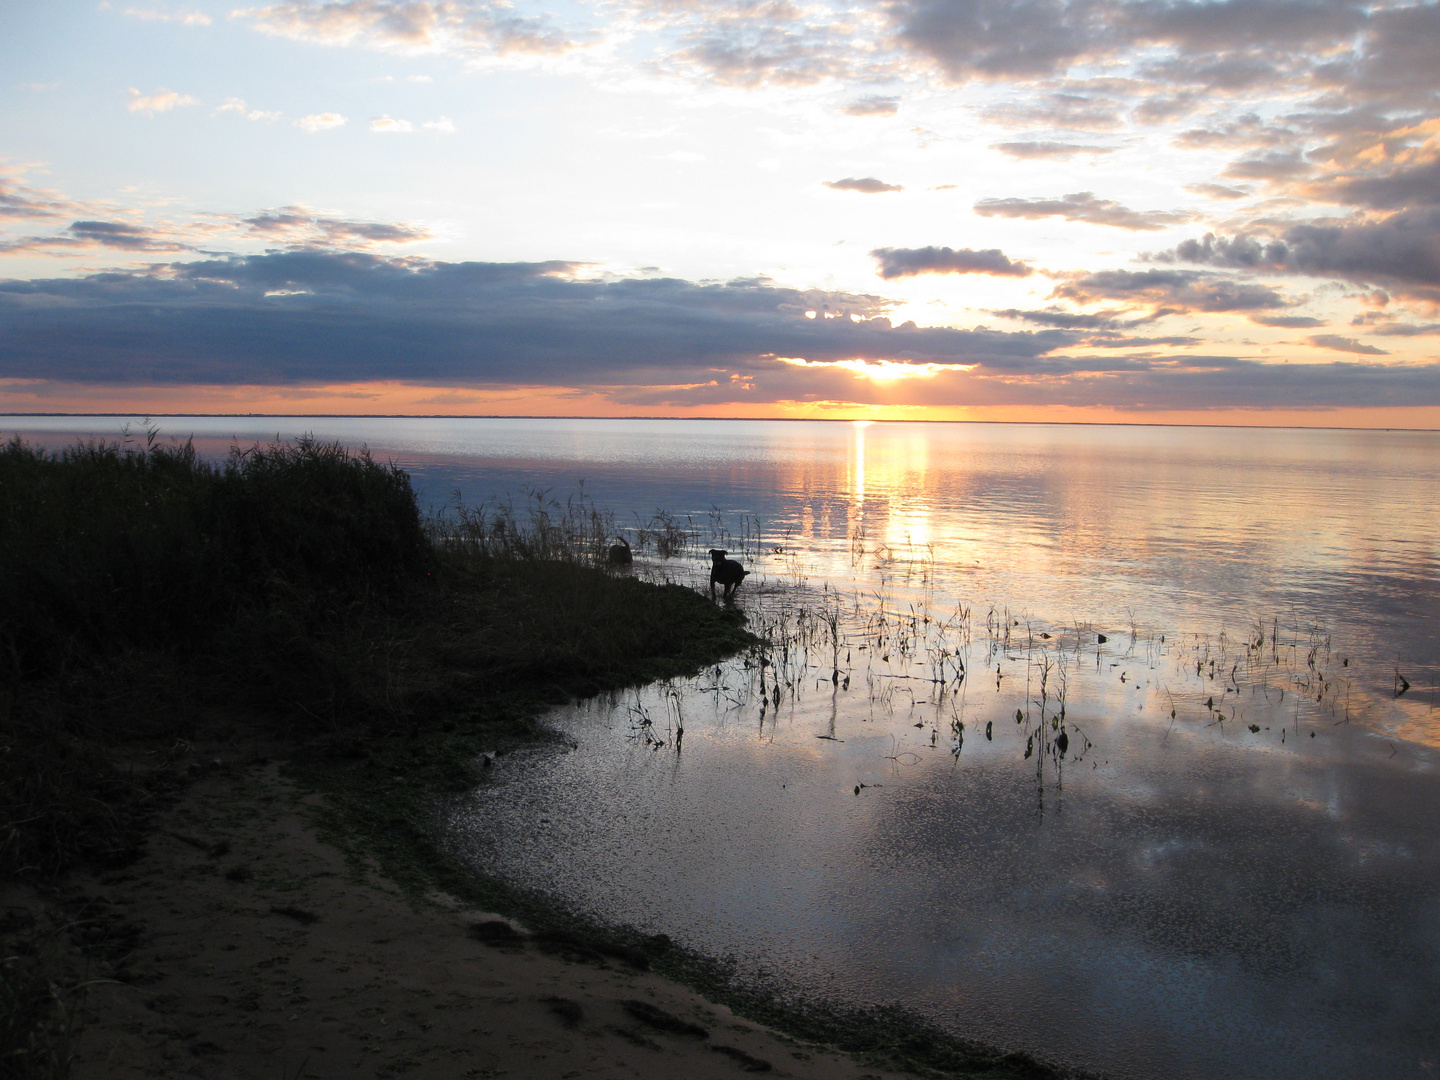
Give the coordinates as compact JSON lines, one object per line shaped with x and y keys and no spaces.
{"x":1228,"y":866}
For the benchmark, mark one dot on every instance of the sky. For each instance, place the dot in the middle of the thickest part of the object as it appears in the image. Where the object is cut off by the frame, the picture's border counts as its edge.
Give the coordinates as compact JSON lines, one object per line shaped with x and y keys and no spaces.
{"x":1140,"y":211}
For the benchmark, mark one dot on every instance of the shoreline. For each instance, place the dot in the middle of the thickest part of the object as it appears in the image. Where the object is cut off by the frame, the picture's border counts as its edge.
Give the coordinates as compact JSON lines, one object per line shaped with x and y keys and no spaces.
{"x":259,"y":933}
{"x":249,"y":946}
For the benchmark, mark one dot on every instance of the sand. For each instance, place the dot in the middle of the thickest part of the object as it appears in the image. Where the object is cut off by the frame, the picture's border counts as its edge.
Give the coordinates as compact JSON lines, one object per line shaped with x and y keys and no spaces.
{"x":248,"y":947}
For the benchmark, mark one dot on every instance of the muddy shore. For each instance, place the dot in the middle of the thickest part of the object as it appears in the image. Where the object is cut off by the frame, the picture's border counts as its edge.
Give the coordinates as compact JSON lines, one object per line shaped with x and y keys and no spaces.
{"x":241,"y":944}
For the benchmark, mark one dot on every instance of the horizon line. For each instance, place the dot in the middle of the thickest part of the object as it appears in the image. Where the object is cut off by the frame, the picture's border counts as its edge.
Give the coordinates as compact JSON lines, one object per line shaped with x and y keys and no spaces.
{"x":727,"y":419}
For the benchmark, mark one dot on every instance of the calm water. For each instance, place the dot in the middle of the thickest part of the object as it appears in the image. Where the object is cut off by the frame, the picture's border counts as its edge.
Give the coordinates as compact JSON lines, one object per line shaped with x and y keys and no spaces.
{"x":1227,"y":866}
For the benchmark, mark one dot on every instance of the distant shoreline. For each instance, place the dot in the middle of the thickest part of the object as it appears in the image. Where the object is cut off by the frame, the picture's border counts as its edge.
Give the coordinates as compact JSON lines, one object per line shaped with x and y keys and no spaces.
{"x":714,"y":419}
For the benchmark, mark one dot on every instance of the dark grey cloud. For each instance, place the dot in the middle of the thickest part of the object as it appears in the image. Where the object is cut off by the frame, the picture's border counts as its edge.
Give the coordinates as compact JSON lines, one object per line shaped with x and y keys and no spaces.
{"x":1404,"y":187}
{"x":1396,"y":59}
{"x":994,"y":39}
{"x":19,"y":200}
{"x":1217,"y":191}
{"x":1065,"y":111}
{"x":1248,"y":131}
{"x":1287,"y":322}
{"x":866,"y":185}
{"x":411,"y":26}
{"x":873,"y":105}
{"x":1276,"y":27}
{"x":289,"y":227}
{"x":1273,"y":165}
{"x":1344,"y":344}
{"x":1162,"y":108}
{"x":118,"y":234}
{"x":1227,"y":45}
{"x":1170,"y":291}
{"x":89,"y":235}
{"x":755,"y":43}
{"x":1047,"y":151}
{"x":319,"y":318}
{"x":908,"y":262}
{"x":1398,"y":329}
{"x":315,"y":317}
{"x":1082,"y":206}
{"x":1401,"y":251}
{"x":1067,"y":320}
{"x":297,"y":226}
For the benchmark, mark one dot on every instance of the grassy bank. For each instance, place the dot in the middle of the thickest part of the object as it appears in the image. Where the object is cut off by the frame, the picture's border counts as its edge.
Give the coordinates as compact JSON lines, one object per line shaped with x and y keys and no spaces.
{"x":149,"y":596}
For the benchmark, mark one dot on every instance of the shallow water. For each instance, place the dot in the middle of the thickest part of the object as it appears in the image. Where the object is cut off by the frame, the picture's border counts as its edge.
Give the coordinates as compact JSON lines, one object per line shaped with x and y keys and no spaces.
{"x":1173,"y":894}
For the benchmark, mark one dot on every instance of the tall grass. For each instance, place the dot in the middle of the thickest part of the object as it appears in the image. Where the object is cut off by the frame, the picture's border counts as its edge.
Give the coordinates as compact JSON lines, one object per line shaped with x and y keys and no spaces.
{"x":546,"y":530}
{"x":103,"y":544}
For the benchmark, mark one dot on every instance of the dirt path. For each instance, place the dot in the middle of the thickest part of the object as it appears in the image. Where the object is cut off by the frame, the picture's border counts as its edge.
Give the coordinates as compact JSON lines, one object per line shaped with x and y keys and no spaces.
{"x":247,"y":948}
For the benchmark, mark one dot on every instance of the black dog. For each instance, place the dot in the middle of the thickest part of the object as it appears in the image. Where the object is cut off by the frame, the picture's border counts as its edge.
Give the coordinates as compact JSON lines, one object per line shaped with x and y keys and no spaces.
{"x":727,"y":573}
{"x":619,"y":554}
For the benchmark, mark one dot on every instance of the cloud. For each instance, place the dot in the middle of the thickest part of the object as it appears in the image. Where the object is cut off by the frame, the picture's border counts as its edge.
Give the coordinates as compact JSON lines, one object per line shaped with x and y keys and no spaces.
{"x":1217,"y":191}
{"x":316,"y":316}
{"x":19,"y":200}
{"x":1047,"y":151}
{"x":159,"y":14}
{"x":1396,"y":329}
{"x":1084,"y":111}
{"x":1170,"y":291}
{"x":867,"y":185}
{"x":238,"y":106}
{"x":1344,"y":344}
{"x":389,"y":125}
{"x":158,"y":102}
{"x":1401,"y":251}
{"x":1066,"y":320}
{"x":1082,"y":206}
{"x":994,"y":39}
{"x":872,"y":105}
{"x":103,"y":228}
{"x":320,"y":122}
{"x":1234,"y":45}
{"x":1287,"y":322}
{"x":299,"y":228}
{"x":741,"y":43}
{"x":92,"y":235}
{"x":1409,"y":185}
{"x":322,"y":318}
{"x":908,"y":262}
{"x":411,"y":26}
{"x":1273,"y":166}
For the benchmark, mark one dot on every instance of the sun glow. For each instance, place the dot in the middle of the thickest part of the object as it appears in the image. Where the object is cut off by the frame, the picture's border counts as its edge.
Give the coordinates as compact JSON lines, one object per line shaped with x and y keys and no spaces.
{"x":880,"y":370}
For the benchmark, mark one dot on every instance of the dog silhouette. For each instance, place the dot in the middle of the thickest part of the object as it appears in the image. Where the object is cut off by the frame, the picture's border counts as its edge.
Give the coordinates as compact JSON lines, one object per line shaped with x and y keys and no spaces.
{"x":619,"y":554}
{"x":727,"y":573}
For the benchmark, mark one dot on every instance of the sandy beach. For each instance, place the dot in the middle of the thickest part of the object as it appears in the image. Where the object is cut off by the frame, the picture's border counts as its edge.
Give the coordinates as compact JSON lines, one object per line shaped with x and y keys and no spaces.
{"x":241,"y":944}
